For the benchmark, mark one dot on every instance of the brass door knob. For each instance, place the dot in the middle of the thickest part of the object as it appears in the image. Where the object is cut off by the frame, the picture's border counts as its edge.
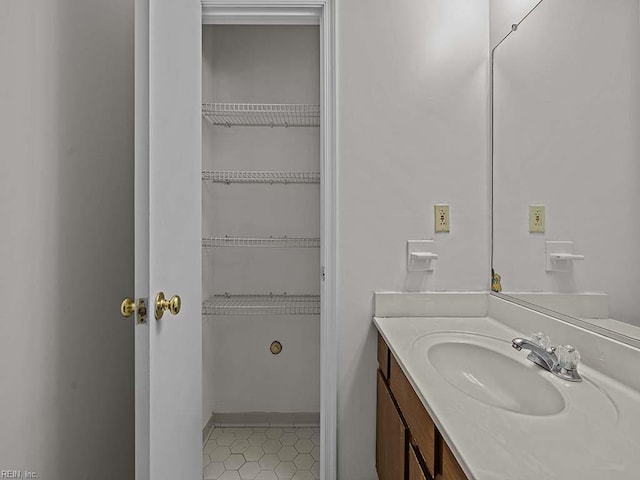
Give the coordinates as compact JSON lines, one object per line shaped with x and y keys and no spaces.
{"x":162,"y":305}
{"x":127,"y":307}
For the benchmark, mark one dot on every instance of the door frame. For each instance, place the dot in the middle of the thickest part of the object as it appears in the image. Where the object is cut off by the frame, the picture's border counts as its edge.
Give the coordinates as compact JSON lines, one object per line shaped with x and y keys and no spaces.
{"x":322,"y":13}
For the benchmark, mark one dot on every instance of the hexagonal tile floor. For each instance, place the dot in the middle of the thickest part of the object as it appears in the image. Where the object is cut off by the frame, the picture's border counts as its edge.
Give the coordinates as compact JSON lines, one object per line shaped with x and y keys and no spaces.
{"x":262,"y":454}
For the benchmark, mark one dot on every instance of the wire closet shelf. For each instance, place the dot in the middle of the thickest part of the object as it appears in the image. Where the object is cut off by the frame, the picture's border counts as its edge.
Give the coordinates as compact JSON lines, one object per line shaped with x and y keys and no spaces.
{"x":262,"y":114}
{"x":268,"y":242}
{"x":260,"y":177}
{"x":262,"y":305}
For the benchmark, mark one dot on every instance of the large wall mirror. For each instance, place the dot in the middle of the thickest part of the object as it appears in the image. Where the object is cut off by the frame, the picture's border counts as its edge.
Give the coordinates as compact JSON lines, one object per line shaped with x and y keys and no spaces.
{"x":566,"y":162}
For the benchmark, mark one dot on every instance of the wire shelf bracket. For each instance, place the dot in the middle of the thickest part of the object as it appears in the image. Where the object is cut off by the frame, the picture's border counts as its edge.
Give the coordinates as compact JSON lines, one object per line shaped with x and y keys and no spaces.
{"x":262,"y":114}
{"x":268,"y":242}
{"x":262,"y":305}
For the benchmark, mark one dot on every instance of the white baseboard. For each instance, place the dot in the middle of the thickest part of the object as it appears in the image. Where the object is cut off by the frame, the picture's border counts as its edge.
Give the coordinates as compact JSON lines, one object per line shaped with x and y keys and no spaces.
{"x":264,"y":419}
{"x":208,"y":428}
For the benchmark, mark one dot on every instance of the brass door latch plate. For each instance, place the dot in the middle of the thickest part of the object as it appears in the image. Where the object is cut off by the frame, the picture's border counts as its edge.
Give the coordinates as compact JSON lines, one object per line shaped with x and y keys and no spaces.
{"x":129,"y":307}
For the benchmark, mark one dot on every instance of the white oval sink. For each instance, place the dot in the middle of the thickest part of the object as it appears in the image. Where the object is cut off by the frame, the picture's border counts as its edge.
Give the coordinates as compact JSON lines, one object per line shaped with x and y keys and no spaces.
{"x":494,"y":378}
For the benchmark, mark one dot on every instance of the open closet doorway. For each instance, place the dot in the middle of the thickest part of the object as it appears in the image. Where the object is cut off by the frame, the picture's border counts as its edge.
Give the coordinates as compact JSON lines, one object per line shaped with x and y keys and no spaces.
{"x":235,"y":238}
{"x":267,"y":249}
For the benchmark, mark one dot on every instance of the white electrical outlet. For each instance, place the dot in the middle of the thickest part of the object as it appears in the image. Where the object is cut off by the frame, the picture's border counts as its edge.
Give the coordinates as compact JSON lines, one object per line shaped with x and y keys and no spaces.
{"x":536,"y":218}
{"x":441,"y":217}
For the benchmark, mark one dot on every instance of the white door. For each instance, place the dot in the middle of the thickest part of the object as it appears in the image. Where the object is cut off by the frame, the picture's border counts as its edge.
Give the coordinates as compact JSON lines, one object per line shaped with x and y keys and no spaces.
{"x":168,"y":238}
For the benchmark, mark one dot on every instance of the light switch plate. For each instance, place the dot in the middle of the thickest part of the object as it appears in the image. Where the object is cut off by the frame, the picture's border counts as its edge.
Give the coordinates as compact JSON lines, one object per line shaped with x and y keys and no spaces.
{"x":441,"y":217}
{"x":536,"y":219}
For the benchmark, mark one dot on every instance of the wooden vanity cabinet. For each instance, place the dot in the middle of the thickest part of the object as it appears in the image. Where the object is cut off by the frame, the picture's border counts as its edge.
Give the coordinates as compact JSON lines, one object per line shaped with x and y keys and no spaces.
{"x":416,"y":471}
{"x":383,"y":358}
{"x":451,"y":470}
{"x":390,"y":453}
{"x":408,"y":444}
{"x":423,"y":431}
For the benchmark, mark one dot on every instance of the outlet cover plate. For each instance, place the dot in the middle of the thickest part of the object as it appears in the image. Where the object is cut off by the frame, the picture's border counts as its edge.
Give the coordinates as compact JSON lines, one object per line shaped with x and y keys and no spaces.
{"x":441,"y":218}
{"x":536,"y":218}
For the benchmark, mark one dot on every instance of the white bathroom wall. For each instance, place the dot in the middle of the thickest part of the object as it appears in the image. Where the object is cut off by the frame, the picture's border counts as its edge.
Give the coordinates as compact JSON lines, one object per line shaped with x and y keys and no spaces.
{"x":261,"y":64}
{"x":567,"y":117}
{"x":66,"y":240}
{"x":412,"y":131}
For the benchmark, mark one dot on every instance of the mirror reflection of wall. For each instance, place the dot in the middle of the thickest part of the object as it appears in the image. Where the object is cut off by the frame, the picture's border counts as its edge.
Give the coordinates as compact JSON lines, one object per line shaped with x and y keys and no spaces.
{"x":567,"y":137}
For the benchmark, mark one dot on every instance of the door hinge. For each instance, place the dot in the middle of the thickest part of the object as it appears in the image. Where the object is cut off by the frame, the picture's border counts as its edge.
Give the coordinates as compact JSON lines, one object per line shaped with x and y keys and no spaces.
{"x":323,"y":274}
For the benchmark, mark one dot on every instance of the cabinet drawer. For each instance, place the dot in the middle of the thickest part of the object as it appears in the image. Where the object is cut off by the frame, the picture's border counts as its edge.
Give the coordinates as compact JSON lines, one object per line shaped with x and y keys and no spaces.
{"x":383,"y":357}
{"x":450,"y":468}
{"x":423,"y":431}
{"x":391,"y":436}
{"x":415,"y":470}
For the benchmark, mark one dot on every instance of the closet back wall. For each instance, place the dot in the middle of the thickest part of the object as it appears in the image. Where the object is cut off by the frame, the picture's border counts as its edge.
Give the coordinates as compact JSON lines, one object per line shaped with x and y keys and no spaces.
{"x":261,"y":64}
{"x":412,"y":131}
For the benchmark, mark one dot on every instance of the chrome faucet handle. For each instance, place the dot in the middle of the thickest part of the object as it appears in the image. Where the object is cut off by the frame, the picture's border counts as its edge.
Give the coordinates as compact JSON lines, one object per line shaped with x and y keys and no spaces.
{"x":541,"y":339}
{"x":568,"y":357}
{"x":568,"y":360}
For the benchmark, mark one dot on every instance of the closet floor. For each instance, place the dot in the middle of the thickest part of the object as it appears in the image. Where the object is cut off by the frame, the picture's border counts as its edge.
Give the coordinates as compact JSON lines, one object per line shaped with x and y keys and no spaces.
{"x":254,"y":453}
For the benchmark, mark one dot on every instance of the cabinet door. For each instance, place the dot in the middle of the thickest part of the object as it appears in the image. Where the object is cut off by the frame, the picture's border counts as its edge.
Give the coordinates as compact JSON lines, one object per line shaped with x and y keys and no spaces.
{"x":383,"y":357}
{"x":390,"y":436}
{"x":451,"y":470}
{"x":415,"y":470}
{"x":423,"y":431}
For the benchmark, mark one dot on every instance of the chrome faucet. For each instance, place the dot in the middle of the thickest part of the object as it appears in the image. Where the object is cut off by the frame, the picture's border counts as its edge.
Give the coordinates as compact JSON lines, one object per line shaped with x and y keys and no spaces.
{"x":544,"y":357}
{"x":562,"y":360}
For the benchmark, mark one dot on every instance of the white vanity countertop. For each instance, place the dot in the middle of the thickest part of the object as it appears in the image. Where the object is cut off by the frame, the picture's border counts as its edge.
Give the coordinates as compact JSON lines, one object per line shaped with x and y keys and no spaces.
{"x":596,"y":436}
